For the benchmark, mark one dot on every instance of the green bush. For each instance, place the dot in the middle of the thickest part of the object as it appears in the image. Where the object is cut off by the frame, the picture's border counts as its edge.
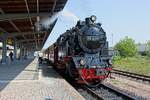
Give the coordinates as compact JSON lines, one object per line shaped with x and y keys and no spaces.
{"x":148,"y":49}
{"x":148,"y":53}
{"x":126,"y":47}
{"x":116,"y":58}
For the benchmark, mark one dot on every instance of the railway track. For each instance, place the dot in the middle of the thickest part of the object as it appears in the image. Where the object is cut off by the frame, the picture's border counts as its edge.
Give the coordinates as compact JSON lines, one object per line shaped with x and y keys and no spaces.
{"x":87,"y":93}
{"x":132,"y":75}
{"x":103,"y":92}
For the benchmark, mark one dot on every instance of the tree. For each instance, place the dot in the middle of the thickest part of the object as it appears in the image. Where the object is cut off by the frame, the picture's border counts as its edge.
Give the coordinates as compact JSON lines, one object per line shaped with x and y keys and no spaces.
{"x":126,"y":47}
{"x":148,"y":49}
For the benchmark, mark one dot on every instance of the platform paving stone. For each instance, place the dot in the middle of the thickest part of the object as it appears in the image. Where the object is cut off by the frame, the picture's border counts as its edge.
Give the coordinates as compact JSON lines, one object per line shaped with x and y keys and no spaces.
{"x":22,"y":82}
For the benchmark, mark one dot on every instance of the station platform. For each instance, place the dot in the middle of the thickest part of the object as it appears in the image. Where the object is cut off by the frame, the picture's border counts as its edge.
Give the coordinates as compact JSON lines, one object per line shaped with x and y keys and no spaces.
{"x":24,"y":80}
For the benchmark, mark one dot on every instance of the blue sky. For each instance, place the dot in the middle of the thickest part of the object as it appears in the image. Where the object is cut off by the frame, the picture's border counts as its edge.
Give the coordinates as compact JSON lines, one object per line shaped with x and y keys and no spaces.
{"x":118,"y":17}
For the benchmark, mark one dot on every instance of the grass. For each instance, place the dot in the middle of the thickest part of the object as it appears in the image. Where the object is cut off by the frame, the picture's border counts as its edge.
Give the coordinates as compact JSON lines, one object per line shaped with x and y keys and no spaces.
{"x":140,"y":64}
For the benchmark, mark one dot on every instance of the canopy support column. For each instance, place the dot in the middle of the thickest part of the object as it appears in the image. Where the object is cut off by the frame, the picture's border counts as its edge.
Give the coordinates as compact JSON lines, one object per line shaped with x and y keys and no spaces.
{"x":15,"y":49}
{"x":4,"y":51}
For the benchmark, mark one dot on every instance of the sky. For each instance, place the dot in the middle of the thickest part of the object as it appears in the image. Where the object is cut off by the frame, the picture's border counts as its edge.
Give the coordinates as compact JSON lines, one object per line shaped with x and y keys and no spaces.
{"x":119,"y":18}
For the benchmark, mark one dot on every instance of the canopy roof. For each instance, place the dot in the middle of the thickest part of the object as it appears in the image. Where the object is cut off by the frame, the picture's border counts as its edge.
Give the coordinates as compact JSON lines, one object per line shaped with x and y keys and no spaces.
{"x":18,"y":18}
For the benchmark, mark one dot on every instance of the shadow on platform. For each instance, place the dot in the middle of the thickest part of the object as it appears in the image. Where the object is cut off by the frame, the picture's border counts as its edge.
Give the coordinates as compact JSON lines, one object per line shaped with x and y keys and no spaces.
{"x":10,"y":72}
{"x":48,"y":71}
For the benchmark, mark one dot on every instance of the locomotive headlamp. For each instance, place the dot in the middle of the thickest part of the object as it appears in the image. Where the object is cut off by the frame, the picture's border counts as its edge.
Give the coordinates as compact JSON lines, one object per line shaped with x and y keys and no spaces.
{"x":93,"y":18}
{"x":82,"y":62}
{"x":110,"y":62}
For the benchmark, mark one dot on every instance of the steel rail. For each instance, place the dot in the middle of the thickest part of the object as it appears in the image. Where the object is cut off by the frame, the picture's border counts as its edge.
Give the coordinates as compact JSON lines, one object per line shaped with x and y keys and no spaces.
{"x":93,"y":93}
{"x":118,"y":92}
{"x":115,"y":91}
{"x":133,"y":75}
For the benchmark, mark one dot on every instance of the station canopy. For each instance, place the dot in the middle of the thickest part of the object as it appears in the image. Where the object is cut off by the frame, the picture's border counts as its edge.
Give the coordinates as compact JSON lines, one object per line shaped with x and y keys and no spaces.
{"x":19,"y":19}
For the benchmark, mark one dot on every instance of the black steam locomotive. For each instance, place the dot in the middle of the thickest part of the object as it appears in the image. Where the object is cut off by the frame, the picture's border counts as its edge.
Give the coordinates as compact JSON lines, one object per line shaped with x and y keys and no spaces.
{"x":82,"y":52}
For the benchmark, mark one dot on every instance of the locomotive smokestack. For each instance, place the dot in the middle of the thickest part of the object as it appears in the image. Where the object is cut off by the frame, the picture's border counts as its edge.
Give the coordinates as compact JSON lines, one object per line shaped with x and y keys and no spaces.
{"x":90,"y":20}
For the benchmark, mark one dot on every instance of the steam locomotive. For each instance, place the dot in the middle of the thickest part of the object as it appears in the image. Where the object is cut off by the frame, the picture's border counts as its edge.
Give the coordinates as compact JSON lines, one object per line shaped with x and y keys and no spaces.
{"x":82,"y":52}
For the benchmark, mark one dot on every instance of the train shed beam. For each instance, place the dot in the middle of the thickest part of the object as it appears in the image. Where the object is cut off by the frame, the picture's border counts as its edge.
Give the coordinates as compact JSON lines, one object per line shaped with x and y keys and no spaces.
{"x":54,"y":5}
{"x":52,"y":11}
{"x":29,"y":15}
{"x":44,"y":38}
{"x":17,"y":29}
{"x":3,"y":30}
{"x":37,"y":7}
{"x":30,"y":40}
{"x":11,"y":22}
{"x":23,"y":33}
{"x":22,"y":16}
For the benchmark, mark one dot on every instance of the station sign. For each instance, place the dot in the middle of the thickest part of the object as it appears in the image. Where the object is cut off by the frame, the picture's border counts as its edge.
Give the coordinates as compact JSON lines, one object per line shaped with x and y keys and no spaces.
{"x":10,"y":41}
{"x":1,"y":33}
